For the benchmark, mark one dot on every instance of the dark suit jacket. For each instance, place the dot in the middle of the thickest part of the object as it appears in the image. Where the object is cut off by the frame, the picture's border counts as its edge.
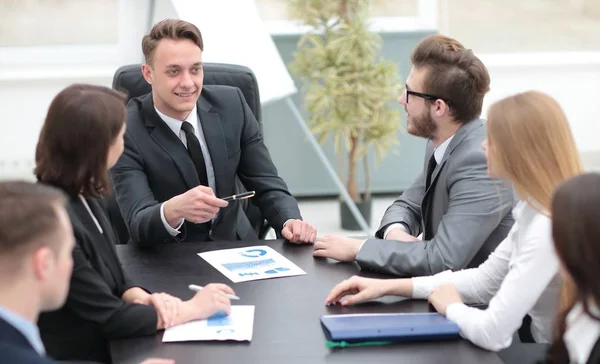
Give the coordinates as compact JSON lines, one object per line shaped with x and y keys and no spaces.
{"x":463,"y":215}
{"x":15,"y":348}
{"x":156,"y":167}
{"x":94,"y":311}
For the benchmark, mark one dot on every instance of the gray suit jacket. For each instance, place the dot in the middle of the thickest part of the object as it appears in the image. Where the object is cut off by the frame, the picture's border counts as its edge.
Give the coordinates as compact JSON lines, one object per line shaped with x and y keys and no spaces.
{"x":465,"y":214}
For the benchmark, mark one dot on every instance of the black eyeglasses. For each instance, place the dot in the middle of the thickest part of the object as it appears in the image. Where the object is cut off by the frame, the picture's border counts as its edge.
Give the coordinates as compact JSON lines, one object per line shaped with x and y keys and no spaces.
{"x":425,"y":96}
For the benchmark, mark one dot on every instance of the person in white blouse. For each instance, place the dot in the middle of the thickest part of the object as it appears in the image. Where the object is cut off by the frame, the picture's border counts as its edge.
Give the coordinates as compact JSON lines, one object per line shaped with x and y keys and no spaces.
{"x":575,"y":229}
{"x":529,"y":142}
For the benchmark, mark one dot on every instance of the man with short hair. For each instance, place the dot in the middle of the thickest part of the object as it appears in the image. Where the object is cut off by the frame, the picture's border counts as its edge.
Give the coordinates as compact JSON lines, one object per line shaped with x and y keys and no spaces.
{"x":460,"y":211}
{"x":36,"y":240}
{"x":36,"y":244}
{"x":184,"y":148}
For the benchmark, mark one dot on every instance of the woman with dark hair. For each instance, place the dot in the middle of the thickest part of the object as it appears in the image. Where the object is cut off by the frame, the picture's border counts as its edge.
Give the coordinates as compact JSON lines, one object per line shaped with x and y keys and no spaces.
{"x":575,"y":229}
{"x":80,"y":140}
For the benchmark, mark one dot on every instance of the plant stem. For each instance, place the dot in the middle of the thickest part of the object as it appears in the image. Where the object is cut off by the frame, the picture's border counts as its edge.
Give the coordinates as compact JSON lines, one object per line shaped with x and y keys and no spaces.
{"x":367,"y":195}
{"x":341,"y":166}
{"x":352,"y":186}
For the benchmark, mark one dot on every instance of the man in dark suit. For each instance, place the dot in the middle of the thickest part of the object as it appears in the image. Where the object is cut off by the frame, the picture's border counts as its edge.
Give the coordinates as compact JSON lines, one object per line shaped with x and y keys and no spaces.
{"x":461,"y":212}
{"x":185,"y":144}
{"x":36,"y":241}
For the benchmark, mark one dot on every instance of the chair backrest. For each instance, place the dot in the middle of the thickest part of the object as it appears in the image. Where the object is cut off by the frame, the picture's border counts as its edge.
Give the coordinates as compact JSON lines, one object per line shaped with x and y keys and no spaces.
{"x":129,"y":80}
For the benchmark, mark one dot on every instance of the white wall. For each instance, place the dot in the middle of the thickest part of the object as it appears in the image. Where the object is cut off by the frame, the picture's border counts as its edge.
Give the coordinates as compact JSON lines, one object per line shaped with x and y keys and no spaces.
{"x":572,"y":78}
{"x":30,"y":77}
{"x":23,"y":104}
{"x":26,"y":92}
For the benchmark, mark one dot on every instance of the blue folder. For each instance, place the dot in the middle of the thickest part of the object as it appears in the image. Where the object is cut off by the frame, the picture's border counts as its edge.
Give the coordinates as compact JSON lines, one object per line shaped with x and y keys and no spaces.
{"x":388,"y":327}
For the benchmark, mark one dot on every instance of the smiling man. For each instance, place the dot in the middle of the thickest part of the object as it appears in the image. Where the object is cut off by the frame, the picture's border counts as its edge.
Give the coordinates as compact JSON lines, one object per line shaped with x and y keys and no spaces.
{"x":185,"y":144}
{"x":460,"y":211}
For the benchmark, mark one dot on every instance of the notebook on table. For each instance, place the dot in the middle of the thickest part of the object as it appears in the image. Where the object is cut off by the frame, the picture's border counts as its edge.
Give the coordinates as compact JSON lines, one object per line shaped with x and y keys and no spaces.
{"x":388,"y":327}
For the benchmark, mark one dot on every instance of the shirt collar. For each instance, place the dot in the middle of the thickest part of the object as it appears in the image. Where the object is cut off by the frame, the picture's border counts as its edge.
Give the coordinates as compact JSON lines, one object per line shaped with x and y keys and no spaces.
{"x":25,"y":327}
{"x":525,"y":210}
{"x":441,"y":150}
{"x":175,"y":124}
{"x":582,"y":332}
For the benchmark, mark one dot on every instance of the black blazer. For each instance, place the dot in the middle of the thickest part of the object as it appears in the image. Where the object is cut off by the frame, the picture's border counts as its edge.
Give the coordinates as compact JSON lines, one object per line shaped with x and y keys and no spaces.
{"x":15,"y":348}
{"x":94,"y":311}
{"x":156,"y":167}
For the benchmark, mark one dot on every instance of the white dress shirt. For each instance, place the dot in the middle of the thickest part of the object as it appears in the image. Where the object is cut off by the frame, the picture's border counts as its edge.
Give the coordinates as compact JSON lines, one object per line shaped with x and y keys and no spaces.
{"x":175,"y":126}
{"x":25,"y":327}
{"x":582,"y":333}
{"x":519,"y":277}
{"x":438,"y":154}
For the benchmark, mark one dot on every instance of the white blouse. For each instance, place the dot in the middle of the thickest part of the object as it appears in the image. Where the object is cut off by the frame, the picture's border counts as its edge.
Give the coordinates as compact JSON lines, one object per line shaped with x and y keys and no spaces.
{"x":582,"y":333}
{"x":519,"y":277}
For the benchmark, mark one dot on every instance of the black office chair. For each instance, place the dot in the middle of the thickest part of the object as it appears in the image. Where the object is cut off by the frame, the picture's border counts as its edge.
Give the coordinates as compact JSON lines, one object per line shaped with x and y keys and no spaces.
{"x":129,"y":79}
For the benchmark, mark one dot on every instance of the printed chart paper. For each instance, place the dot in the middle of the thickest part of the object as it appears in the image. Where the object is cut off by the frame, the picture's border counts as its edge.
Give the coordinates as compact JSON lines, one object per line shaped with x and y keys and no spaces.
{"x":237,"y":326}
{"x":251,"y":263}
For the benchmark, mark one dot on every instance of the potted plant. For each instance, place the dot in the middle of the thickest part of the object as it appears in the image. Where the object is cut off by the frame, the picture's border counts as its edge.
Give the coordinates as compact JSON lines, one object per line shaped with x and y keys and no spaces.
{"x":348,"y":90}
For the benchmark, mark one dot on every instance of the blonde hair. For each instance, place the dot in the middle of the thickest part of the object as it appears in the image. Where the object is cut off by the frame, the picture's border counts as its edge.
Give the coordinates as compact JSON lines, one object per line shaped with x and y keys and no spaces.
{"x":531,"y":144}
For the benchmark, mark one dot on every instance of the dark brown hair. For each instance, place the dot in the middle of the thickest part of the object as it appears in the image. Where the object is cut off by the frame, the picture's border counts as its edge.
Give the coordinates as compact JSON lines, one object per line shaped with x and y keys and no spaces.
{"x":28,"y":215}
{"x":454,"y":74}
{"x":83,"y":121}
{"x":575,"y":230}
{"x":171,"y":29}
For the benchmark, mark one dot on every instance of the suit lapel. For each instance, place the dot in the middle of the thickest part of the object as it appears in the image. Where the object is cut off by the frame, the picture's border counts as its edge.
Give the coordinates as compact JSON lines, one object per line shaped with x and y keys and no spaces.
{"x":106,"y":248}
{"x":217,"y":147}
{"x":169,"y":142}
{"x":462,"y":132}
{"x":102,"y":220}
{"x":110,"y":238}
{"x":460,"y":135}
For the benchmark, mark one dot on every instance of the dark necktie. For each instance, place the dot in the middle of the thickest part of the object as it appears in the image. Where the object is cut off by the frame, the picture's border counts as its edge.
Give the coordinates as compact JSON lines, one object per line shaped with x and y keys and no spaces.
{"x":195,"y":151}
{"x":430,"y":168}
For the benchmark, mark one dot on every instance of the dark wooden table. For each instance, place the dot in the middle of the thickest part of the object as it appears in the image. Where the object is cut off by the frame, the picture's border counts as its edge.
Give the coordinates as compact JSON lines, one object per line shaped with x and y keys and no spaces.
{"x":286,"y":322}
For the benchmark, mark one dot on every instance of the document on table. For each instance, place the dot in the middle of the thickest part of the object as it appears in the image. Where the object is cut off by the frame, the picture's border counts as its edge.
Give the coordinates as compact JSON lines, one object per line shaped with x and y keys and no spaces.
{"x":251,"y":263}
{"x":237,"y":326}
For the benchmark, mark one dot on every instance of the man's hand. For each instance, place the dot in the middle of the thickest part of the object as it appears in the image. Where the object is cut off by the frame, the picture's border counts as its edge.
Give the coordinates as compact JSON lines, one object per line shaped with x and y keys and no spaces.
{"x":400,"y":235}
{"x":443,"y":296}
{"x":197,"y":205}
{"x":298,"y":231}
{"x":167,"y":307}
{"x":337,"y":247}
{"x":210,"y":300}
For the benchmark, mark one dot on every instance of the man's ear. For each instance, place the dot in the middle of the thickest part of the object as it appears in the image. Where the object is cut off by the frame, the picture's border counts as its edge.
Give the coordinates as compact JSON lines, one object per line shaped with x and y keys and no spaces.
{"x":147,"y":73}
{"x":441,"y":107}
{"x":43,"y":263}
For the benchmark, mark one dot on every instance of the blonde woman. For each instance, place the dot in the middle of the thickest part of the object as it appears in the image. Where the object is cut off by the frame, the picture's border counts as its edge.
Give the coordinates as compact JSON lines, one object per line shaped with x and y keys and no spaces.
{"x":530,"y":143}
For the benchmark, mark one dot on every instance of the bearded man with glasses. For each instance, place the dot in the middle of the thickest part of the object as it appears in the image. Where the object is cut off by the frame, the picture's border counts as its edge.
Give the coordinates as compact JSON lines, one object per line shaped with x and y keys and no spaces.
{"x":453,"y":215}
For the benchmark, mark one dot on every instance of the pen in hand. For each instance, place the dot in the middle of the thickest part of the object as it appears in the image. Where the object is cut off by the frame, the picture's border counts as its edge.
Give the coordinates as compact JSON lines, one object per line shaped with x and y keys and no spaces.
{"x":239,"y":196}
{"x":196,"y":288}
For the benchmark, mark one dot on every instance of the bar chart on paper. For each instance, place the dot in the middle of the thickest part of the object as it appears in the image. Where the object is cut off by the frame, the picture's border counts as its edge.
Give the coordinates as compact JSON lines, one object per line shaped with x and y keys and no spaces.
{"x":238,"y":326}
{"x":252,"y":263}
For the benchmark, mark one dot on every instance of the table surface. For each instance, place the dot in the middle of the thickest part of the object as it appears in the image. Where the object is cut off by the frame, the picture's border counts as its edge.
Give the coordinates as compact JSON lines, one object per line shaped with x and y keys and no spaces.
{"x":287,"y":311}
